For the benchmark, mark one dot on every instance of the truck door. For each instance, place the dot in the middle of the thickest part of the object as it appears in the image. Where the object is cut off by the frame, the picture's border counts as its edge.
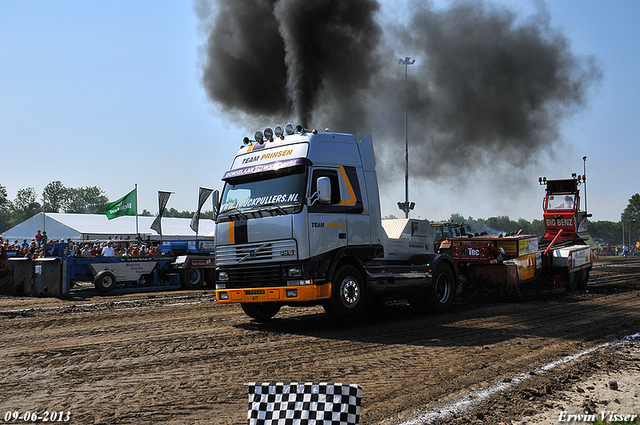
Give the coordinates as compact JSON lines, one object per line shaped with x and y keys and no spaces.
{"x":327,"y":222}
{"x":341,"y":222}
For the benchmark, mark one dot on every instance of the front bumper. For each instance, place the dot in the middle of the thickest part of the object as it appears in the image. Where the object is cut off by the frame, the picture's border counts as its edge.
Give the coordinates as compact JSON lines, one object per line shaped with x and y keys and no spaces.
{"x":284,"y":294}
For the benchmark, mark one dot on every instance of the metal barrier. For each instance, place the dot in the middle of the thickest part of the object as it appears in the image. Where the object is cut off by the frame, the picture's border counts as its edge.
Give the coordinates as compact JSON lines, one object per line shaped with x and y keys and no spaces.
{"x":23,"y":281}
{"x":48,"y":276}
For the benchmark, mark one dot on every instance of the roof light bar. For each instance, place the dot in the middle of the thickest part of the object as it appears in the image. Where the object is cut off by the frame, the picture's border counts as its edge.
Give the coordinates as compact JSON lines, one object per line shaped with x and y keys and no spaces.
{"x":269,"y":134}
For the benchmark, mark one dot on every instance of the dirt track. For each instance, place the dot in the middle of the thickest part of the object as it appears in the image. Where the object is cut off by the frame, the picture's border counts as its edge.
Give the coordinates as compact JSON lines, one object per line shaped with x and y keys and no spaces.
{"x":178,"y":357}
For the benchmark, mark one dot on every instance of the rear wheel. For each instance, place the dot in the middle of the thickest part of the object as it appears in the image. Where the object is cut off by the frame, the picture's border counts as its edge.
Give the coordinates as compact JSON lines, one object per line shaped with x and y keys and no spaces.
{"x":347,"y":294}
{"x":262,"y":312}
{"x":104,"y":281}
{"x":191,"y":278}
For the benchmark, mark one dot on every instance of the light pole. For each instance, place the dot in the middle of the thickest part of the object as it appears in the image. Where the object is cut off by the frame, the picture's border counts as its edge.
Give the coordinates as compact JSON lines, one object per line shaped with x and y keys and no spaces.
{"x":584,"y":176}
{"x":406,"y":206}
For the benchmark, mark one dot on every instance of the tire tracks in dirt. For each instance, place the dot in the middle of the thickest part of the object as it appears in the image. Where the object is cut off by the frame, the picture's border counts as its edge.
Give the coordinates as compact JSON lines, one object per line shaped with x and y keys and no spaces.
{"x":186,"y":362}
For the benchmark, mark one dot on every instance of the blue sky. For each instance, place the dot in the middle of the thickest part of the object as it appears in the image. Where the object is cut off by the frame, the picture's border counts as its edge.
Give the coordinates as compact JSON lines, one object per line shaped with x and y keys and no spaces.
{"x":108,"y":94}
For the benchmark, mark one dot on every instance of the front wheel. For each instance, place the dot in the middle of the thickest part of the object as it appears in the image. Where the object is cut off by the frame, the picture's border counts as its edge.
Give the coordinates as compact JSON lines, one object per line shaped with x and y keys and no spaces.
{"x":262,"y":312}
{"x":347,"y":294}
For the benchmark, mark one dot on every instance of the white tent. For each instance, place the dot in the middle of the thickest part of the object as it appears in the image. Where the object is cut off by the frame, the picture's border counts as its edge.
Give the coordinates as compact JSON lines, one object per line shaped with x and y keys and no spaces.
{"x":98,"y":227}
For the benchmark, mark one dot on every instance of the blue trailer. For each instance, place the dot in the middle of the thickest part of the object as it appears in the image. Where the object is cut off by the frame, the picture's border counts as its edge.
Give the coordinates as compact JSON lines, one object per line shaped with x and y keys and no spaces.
{"x":111,"y":273}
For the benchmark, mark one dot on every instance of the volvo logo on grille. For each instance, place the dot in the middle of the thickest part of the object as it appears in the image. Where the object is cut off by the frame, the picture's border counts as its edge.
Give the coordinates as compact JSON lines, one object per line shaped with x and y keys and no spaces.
{"x":253,"y":253}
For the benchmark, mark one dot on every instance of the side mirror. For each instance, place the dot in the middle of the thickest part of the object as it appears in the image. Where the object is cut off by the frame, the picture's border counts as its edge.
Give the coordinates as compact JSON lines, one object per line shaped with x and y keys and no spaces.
{"x":322,"y":193}
{"x":324,"y":190}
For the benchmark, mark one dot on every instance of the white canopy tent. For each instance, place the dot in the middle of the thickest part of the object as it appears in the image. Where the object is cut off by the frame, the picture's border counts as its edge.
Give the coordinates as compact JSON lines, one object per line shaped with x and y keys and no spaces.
{"x":97,"y":227}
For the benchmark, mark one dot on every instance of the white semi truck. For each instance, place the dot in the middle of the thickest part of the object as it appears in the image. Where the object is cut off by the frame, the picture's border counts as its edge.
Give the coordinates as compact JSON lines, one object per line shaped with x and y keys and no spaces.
{"x":300,"y":224}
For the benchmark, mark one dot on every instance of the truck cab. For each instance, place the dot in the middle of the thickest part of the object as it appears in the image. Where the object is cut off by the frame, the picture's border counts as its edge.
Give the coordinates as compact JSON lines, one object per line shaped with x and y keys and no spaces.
{"x":563,"y":219}
{"x":299,"y":224}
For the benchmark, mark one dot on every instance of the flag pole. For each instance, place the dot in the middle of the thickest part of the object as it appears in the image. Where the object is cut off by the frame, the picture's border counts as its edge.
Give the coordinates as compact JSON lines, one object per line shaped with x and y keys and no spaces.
{"x":137,"y":232}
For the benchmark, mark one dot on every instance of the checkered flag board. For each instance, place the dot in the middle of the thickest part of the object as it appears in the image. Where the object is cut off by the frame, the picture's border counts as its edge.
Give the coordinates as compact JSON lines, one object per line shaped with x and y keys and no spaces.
{"x":304,"y":404}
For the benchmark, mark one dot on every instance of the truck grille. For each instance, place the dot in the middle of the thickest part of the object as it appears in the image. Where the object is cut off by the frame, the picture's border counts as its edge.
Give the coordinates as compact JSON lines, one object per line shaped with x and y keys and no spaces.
{"x":254,"y":277}
{"x":253,"y":253}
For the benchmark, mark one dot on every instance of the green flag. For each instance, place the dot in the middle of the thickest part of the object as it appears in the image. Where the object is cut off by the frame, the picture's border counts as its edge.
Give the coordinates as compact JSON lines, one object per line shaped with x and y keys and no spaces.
{"x":123,"y":206}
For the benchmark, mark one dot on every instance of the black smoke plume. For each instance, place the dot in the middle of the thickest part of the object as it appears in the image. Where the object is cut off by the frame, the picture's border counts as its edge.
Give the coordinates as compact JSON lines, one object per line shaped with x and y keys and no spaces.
{"x":487,"y":87}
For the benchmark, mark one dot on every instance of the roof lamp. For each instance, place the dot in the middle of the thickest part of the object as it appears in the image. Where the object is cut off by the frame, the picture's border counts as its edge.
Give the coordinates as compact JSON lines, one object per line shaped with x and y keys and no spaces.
{"x":268,"y":134}
{"x":246,"y":141}
{"x":258,"y":136}
{"x":279,"y":131}
{"x":289,"y":129}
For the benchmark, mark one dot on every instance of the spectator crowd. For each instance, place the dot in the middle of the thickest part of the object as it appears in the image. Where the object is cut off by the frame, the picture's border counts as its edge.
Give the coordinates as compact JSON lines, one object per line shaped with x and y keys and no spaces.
{"x":113,"y":247}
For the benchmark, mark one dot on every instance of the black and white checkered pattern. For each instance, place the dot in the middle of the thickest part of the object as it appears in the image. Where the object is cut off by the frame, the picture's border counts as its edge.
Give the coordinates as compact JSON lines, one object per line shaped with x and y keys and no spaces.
{"x":304,"y":404}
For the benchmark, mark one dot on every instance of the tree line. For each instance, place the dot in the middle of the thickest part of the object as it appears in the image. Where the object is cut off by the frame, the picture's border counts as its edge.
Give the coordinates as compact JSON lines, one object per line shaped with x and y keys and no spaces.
{"x":56,"y":198}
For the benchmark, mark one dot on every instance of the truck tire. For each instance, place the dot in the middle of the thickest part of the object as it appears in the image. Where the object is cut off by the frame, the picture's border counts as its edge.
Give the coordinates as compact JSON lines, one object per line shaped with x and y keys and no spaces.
{"x":583,"y":278}
{"x":347,"y":294}
{"x":104,"y":281}
{"x":191,"y":278}
{"x":262,"y":312}
{"x":441,"y":291}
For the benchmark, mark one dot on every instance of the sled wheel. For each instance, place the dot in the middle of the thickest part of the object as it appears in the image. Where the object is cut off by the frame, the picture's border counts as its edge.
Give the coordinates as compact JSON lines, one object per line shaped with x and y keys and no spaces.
{"x":104,"y":281}
{"x":572,"y":281}
{"x":441,"y":291}
{"x":583,"y":278}
{"x":191,"y":278}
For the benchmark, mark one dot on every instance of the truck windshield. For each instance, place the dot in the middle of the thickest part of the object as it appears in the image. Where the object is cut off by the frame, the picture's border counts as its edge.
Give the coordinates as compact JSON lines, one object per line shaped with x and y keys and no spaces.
{"x":280,"y":194}
{"x":561,"y":202}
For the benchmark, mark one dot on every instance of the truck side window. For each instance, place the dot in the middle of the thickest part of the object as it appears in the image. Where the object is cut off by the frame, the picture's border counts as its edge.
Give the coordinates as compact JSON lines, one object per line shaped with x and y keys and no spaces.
{"x":335,"y":185}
